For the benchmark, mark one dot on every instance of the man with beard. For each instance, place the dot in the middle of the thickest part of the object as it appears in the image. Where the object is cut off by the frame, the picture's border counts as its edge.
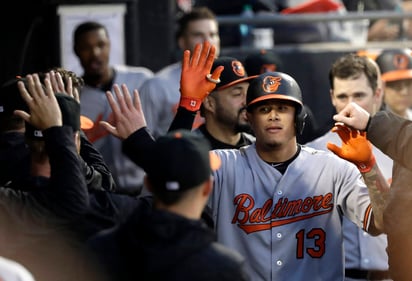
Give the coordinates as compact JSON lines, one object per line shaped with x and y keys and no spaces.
{"x":224,"y":109}
{"x":269,"y":201}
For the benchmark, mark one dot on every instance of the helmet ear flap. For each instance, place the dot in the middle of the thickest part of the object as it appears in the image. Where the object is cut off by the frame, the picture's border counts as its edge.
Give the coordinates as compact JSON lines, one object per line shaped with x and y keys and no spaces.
{"x":300,"y":121}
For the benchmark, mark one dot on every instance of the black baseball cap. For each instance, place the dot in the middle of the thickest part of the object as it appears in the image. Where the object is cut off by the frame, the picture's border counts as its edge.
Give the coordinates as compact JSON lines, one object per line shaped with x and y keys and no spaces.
{"x":261,"y":62}
{"x":181,"y":160}
{"x":70,"y":110}
{"x":395,"y":64}
{"x":10,"y":98}
{"x":234,"y":72}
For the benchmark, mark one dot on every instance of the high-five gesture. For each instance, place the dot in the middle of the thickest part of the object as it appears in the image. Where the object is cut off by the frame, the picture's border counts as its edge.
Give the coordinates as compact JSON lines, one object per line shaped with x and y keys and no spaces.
{"x":355,"y":148}
{"x":127,"y":113}
{"x":60,"y":86}
{"x":196,"y":81}
{"x":44,"y":108}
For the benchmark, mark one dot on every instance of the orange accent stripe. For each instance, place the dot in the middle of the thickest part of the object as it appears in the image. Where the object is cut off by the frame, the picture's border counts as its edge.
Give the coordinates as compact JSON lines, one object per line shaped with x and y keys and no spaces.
{"x":86,"y":123}
{"x":275,"y":96}
{"x":397,"y":75}
{"x":367,"y":217}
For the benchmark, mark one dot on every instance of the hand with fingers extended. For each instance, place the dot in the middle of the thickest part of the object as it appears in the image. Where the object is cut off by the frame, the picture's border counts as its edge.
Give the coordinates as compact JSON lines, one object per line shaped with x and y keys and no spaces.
{"x":196,"y":81}
{"x":355,"y":147}
{"x":127,"y":113}
{"x":64,"y":86}
{"x":41,"y":101}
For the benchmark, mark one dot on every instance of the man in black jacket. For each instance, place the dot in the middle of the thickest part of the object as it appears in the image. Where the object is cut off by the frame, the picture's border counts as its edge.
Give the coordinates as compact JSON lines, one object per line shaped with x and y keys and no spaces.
{"x":170,"y":242}
{"x":38,"y":217}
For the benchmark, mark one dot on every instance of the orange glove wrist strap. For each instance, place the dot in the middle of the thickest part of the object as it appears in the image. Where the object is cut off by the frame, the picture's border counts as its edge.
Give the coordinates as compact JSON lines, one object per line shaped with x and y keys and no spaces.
{"x":367,"y":167}
{"x":190,"y":103}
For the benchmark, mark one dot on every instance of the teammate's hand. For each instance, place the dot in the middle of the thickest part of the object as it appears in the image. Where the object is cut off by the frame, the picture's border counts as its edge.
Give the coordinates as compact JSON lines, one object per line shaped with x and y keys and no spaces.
{"x":355,"y":148}
{"x":354,"y":116}
{"x":194,"y":86}
{"x":64,"y":87}
{"x":44,"y":108}
{"x":127,"y":112}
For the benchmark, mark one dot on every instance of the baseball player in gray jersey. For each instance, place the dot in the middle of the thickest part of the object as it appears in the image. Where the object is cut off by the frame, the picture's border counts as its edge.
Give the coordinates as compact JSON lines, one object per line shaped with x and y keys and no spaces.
{"x":92,"y":47}
{"x":160,"y":95}
{"x":276,"y":202}
{"x":357,"y":78}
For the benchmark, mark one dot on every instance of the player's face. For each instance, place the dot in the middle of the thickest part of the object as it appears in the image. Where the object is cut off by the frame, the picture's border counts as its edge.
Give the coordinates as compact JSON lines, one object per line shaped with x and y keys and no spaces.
{"x":356,"y":90}
{"x":199,"y":31}
{"x":93,"y":50}
{"x":273,"y":123}
{"x":229,"y":110}
{"x":398,"y":96}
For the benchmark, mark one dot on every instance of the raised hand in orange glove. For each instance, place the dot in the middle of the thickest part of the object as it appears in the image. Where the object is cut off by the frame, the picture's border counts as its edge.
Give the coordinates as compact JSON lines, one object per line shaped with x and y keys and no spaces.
{"x":196,"y":82}
{"x":355,"y":148}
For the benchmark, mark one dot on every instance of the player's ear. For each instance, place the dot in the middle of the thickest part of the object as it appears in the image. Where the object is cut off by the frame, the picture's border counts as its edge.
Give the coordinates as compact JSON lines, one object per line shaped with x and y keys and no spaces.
{"x":332,"y":98}
{"x":209,"y":103}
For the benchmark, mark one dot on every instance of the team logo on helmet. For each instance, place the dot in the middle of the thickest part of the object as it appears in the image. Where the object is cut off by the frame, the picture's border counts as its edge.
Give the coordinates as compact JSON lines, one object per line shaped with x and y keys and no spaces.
{"x":271,"y":84}
{"x":238,"y":68}
{"x":401,"y":61}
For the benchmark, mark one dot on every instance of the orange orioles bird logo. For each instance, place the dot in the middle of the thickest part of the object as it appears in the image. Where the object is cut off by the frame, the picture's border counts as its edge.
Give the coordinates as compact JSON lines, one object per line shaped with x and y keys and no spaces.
{"x":271,"y":84}
{"x":401,"y":61}
{"x":238,"y":68}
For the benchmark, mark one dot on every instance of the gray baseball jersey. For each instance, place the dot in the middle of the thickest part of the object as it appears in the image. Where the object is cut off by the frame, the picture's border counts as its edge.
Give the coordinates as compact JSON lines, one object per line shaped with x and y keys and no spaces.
{"x":94,"y":103}
{"x":362,"y":251}
{"x":289,"y":227}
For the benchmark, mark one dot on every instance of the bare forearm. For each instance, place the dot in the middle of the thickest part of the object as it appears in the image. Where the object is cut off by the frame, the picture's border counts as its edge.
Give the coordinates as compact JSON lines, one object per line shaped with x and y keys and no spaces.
{"x":378,"y":191}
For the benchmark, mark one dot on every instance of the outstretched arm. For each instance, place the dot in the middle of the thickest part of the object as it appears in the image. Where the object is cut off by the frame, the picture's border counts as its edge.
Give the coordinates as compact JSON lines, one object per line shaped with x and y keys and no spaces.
{"x":127,"y":112}
{"x":358,"y":150}
{"x":129,"y":121}
{"x":67,"y":195}
{"x":196,"y":83}
{"x":129,"y":124}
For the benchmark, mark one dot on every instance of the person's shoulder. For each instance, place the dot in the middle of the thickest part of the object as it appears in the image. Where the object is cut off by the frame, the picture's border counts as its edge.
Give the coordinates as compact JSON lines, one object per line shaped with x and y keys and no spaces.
{"x":322,"y":155}
{"x":107,"y":237}
{"x":223,"y":252}
{"x":165,"y":80}
{"x":171,"y":68}
{"x":229,"y":261}
{"x":320,"y":142}
{"x":312,"y":150}
{"x":325,"y":159}
{"x":134,"y":70}
{"x":249,"y":138}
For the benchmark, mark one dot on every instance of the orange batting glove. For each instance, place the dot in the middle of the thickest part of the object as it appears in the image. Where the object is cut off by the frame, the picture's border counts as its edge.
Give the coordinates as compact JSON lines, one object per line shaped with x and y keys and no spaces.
{"x":196,"y":82}
{"x":355,"y":148}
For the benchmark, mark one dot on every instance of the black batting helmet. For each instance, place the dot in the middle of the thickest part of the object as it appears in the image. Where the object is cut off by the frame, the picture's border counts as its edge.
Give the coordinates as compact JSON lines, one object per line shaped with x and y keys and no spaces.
{"x":278,"y":86}
{"x":395,"y":64}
